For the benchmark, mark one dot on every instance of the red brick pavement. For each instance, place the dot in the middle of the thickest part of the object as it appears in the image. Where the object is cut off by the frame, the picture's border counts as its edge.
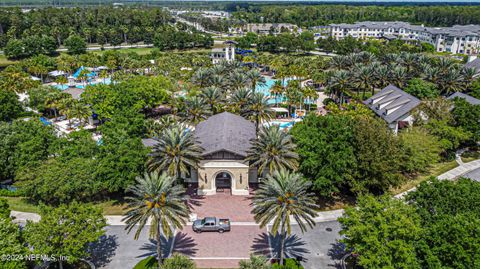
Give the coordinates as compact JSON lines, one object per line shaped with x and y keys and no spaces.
{"x":222,"y":205}
{"x":215,"y":250}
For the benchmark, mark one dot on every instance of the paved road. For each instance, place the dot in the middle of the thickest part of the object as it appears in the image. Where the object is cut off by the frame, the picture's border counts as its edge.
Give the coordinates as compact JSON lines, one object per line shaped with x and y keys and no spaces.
{"x":119,"y":250}
{"x":474,"y":175}
{"x":319,"y":247}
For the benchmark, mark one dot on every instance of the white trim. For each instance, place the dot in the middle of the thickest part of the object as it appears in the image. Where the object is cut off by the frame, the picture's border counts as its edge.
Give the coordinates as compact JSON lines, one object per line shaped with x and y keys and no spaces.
{"x":206,"y":191}
{"x":240,"y":192}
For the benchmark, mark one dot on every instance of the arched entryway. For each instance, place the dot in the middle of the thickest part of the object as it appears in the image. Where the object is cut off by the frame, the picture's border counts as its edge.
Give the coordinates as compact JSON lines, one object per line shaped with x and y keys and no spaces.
{"x":223,"y":182}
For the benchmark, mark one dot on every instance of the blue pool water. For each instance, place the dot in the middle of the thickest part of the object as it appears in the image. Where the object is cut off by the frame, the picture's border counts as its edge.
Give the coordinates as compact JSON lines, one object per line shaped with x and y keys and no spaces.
{"x":265,"y":89}
{"x":282,"y":124}
{"x":106,"y":81}
{"x":45,"y":121}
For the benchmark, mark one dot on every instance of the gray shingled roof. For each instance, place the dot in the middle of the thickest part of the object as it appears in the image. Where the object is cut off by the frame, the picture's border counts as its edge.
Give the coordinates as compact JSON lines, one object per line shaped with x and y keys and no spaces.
{"x":455,"y":30}
{"x":474,"y":64}
{"x":225,"y":131}
{"x":391,"y":103}
{"x":468,"y":98}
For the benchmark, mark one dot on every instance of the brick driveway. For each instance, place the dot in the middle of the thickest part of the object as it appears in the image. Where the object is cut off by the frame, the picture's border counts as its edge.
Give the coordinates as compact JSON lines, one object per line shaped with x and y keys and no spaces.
{"x":222,"y":205}
{"x":215,"y":250}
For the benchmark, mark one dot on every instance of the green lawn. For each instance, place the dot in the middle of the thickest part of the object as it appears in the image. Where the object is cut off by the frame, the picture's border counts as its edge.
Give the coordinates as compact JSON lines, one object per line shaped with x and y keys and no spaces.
{"x":4,"y":62}
{"x":139,"y":51}
{"x":21,"y":204}
{"x":435,"y":170}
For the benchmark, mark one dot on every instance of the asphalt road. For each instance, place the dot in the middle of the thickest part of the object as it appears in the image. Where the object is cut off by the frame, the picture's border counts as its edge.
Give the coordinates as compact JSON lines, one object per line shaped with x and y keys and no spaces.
{"x":117,"y":249}
{"x":319,"y":247}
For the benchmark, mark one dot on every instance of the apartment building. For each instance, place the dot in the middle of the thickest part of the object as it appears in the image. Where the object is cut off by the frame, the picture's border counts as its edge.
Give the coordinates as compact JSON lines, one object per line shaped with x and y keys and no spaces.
{"x":458,"y":39}
{"x":266,"y":28}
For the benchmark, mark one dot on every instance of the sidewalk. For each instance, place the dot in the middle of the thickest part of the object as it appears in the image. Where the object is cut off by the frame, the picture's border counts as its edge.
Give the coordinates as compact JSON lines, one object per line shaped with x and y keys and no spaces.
{"x":456,"y":172}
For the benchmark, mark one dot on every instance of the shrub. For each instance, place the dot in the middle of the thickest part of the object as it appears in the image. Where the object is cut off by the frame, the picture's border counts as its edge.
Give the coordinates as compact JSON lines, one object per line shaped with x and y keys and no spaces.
{"x":4,"y":209}
{"x":255,"y":262}
{"x":289,"y":264}
{"x":11,"y":193}
{"x":178,"y":261}
{"x":147,"y":263}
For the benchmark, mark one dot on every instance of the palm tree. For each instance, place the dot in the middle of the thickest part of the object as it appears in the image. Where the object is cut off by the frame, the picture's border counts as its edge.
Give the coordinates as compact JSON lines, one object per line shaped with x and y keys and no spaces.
{"x":255,"y":78}
{"x":283,"y":196}
{"x":238,"y":80}
{"x":83,"y":76}
{"x":340,"y":83}
{"x":196,"y":110}
{"x":213,"y":97}
{"x":276,"y":90}
{"x":62,"y":80}
{"x":239,"y":100}
{"x":103,"y":75}
{"x":451,"y":81}
{"x":273,"y":150}
{"x":399,"y":76}
{"x":80,"y":111}
{"x":156,"y":197}
{"x":258,"y":109}
{"x":176,"y":152}
{"x":201,"y":77}
{"x":363,"y":77}
{"x":382,"y":76}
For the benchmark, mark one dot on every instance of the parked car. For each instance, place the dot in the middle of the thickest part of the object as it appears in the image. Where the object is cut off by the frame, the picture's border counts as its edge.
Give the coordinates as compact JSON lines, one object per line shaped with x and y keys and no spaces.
{"x":211,"y":224}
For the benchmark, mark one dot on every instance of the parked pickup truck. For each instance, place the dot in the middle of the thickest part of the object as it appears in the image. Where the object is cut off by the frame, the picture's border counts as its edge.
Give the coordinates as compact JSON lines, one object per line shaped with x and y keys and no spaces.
{"x":211,"y":224}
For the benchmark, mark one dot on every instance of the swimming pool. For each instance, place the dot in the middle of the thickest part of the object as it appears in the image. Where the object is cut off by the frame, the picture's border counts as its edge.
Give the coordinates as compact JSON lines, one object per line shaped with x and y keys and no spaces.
{"x":265,"y":89}
{"x":63,"y":87}
{"x":282,"y":124}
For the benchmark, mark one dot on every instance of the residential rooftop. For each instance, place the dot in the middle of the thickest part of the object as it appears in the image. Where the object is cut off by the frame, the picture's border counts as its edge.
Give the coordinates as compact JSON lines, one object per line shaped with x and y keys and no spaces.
{"x":391,"y":103}
{"x":468,"y":98}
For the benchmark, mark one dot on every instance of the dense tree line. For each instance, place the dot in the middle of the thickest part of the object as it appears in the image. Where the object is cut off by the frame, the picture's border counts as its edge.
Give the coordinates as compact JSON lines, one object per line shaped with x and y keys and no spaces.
{"x":436,"y":227}
{"x":97,"y":25}
{"x":171,"y":38}
{"x":312,"y":15}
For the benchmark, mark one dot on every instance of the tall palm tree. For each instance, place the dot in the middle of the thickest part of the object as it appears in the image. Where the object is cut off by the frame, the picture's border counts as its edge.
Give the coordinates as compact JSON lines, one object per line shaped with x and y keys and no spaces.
{"x":196,"y":110}
{"x":201,"y":77}
{"x":176,"y":152}
{"x":238,"y":80}
{"x":156,"y":197}
{"x":255,"y":78}
{"x":451,"y":81}
{"x":363,"y":77}
{"x":283,"y":196}
{"x":399,"y":76}
{"x":80,"y":111}
{"x":276,"y":90}
{"x":382,"y":76}
{"x":273,"y":150}
{"x":213,"y":97}
{"x":340,"y":83}
{"x":239,"y":100}
{"x":258,"y":109}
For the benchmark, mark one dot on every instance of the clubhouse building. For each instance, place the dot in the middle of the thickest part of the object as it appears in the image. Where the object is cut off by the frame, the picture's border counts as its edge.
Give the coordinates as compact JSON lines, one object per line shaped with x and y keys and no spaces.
{"x":225,"y":138}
